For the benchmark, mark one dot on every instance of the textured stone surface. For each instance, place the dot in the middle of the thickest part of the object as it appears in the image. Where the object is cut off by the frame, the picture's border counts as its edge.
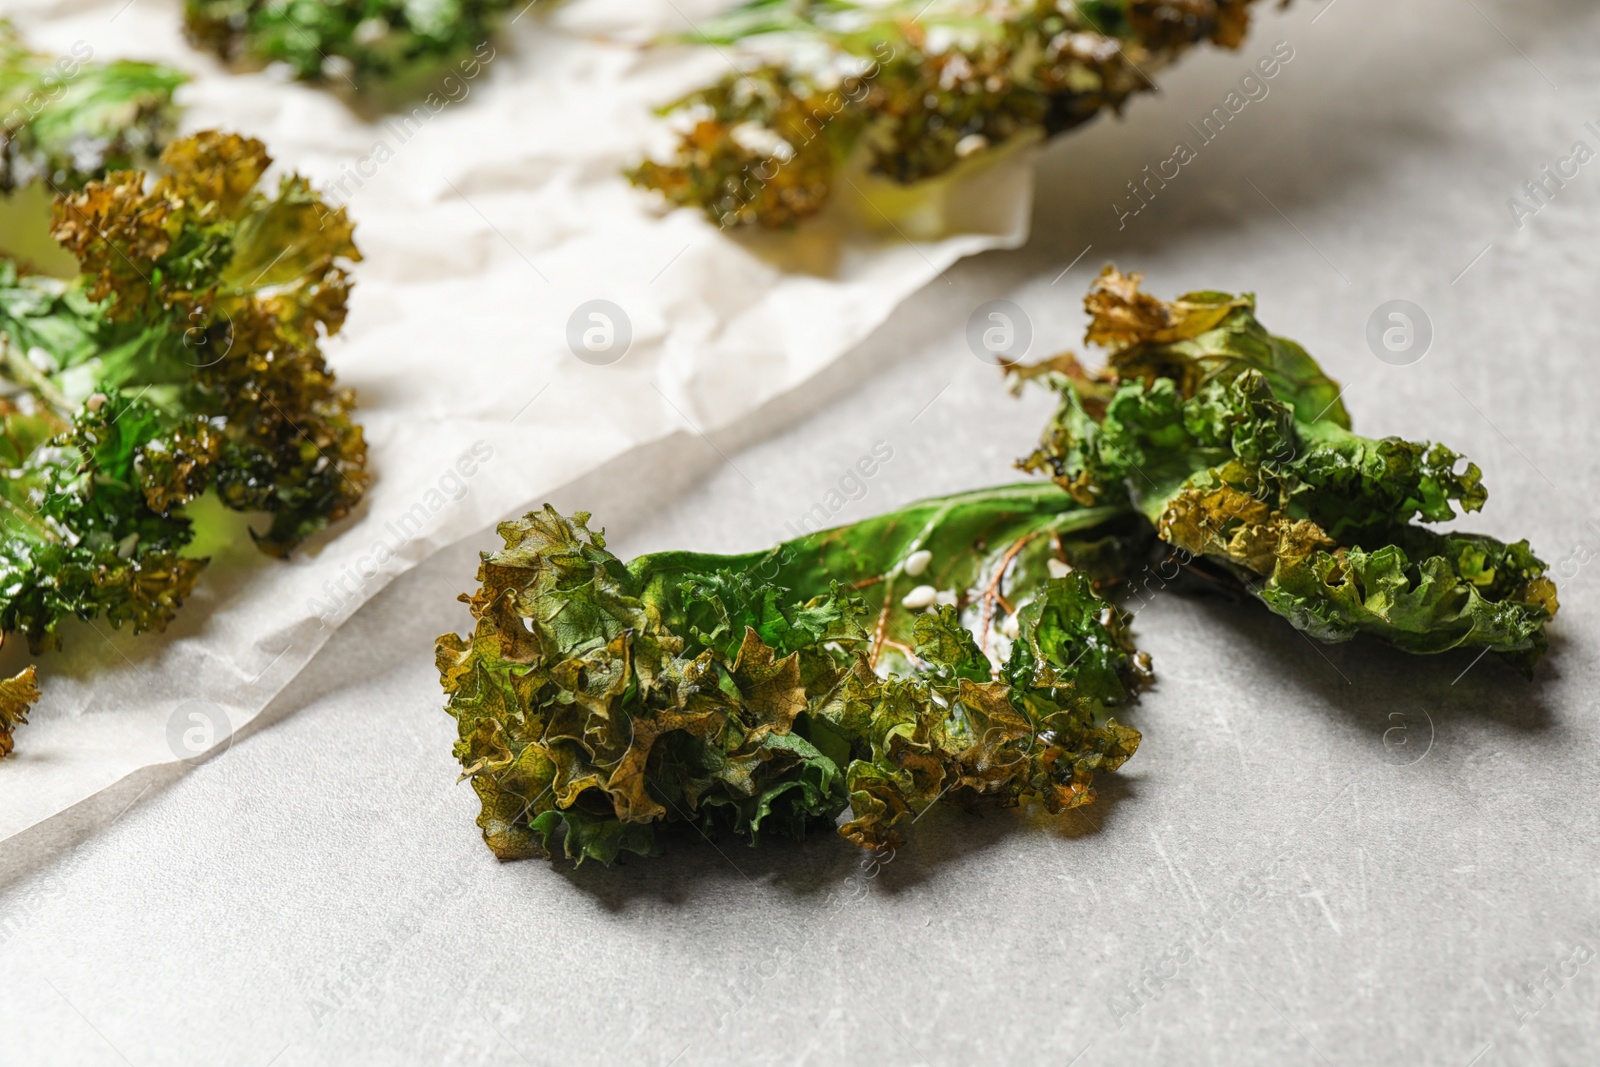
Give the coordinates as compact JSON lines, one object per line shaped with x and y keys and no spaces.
{"x":1320,"y":855}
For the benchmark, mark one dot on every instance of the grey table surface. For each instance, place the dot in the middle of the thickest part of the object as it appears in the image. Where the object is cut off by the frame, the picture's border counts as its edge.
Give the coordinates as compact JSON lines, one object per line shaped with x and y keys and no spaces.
{"x":1320,"y":855}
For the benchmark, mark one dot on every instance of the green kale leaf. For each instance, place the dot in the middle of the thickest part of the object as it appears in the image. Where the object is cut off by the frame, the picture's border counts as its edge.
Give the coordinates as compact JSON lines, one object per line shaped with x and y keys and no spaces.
{"x":1237,"y":447}
{"x":909,"y":91}
{"x":185,"y":358}
{"x":67,"y":120}
{"x":17,"y":695}
{"x":962,"y":647}
{"x":878,"y":668}
{"x":396,"y":48}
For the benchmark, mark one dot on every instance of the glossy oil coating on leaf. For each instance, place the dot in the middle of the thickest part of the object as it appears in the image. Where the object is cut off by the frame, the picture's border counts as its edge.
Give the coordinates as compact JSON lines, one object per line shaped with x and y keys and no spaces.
{"x":66,"y":120}
{"x":185,"y":359}
{"x":768,"y":693}
{"x":1236,"y":446}
{"x":909,"y":90}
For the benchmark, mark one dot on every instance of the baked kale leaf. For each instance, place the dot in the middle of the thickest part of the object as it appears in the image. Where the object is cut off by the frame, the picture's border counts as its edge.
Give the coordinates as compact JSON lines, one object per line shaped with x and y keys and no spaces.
{"x":1237,"y":447}
{"x":66,"y":120}
{"x":908,"y":91}
{"x":17,"y":695}
{"x":185,"y":358}
{"x":961,"y":646}
{"x":874,"y":668}
{"x":394,"y":46}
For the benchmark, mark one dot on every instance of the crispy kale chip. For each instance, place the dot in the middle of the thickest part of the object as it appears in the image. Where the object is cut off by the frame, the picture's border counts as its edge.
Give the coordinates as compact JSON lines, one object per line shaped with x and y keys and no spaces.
{"x":184,"y":358}
{"x":69,"y":120}
{"x":17,"y":695}
{"x":878,"y":667}
{"x":364,"y":44}
{"x":1236,"y":446}
{"x":961,"y":646}
{"x":907,"y":90}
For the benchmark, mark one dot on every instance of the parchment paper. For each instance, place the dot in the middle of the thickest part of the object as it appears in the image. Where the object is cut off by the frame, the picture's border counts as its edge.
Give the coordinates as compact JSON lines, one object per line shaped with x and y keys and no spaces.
{"x":488,"y":217}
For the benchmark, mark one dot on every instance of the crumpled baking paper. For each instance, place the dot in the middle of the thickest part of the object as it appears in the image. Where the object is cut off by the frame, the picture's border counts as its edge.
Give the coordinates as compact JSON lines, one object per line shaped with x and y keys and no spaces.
{"x":491,"y":216}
